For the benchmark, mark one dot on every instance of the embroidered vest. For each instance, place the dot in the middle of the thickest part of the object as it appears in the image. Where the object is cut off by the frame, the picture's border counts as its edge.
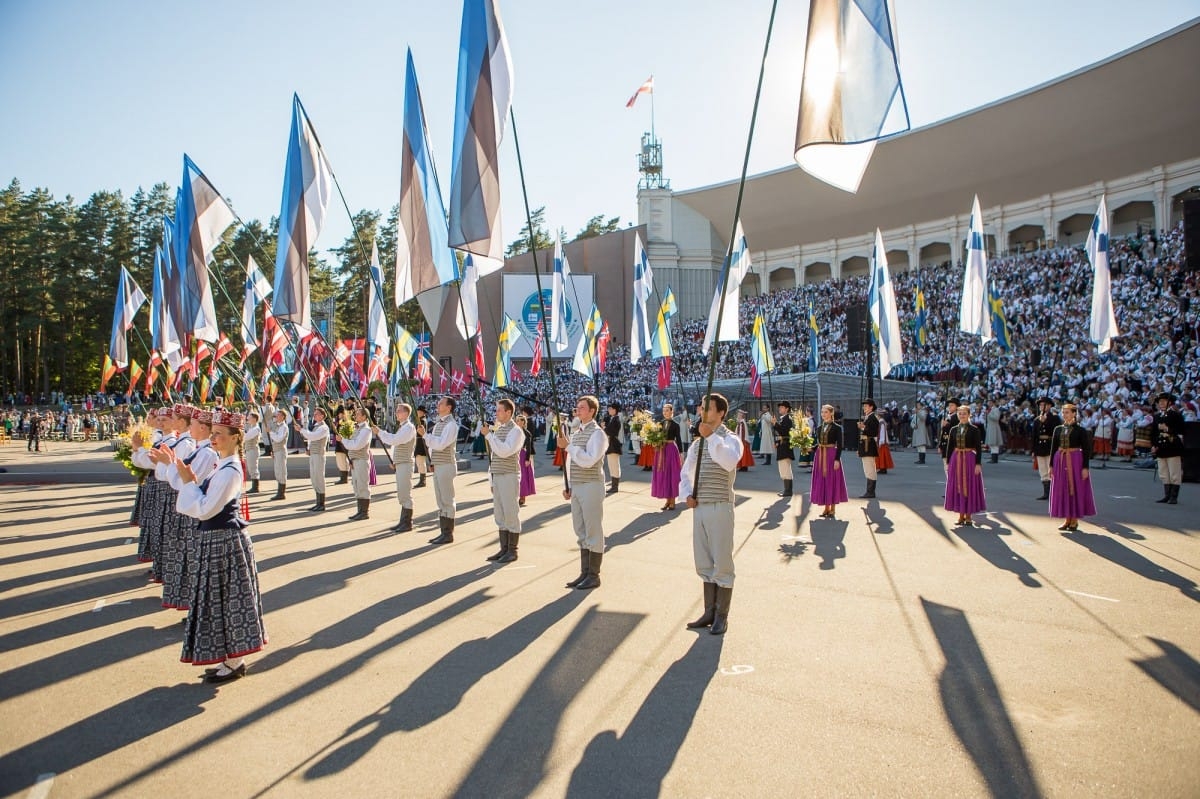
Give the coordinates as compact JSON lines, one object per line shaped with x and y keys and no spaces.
{"x":511,"y":464}
{"x":588,"y":474}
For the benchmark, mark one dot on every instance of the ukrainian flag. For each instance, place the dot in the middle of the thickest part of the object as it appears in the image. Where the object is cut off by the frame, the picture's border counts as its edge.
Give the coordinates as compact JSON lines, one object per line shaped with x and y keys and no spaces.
{"x":509,"y":333}
{"x":585,"y":355}
{"x":660,"y":343}
{"x":921,"y":332}
{"x":813,"y":354}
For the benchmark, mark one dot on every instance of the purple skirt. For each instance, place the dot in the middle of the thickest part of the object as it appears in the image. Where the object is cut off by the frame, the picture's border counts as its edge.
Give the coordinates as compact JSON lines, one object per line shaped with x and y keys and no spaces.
{"x":664,"y":482}
{"x":964,"y":488}
{"x":828,"y":483}
{"x":1070,"y":492}
{"x":528,"y":485}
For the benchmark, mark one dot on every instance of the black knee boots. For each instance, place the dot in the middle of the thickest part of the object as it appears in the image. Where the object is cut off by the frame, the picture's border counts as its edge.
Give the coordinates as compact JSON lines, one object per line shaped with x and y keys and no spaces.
{"x":710,"y":608}
{"x":363,"y":506}
{"x":721,"y":614}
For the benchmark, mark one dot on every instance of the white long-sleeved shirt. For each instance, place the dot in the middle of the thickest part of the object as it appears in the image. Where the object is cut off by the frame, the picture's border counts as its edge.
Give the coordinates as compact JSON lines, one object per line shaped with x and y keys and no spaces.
{"x":252,"y":435}
{"x":320,"y":432}
{"x":141,"y":456}
{"x":725,"y":451}
{"x":279,"y":435}
{"x":226,"y":485}
{"x":446,"y":439}
{"x":361,"y":438}
{"x":590,"y":453}
{"x":183,"y":445}
{"x":505,"y":449}
{"x":404,"y":434}
{"x":203,"y":463}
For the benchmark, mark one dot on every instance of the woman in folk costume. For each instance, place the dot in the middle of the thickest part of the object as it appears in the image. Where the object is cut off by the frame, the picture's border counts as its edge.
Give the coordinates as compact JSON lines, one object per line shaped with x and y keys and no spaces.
{"x":149,"y":510}
{"x":646,"y":455}
{"x":664,"y":483}
{"x":921,"y":439}
{"x":179,"y":567}
{"x":828,"y":479}
{"x":253,"y":437}
{"x":1102,"y":436}
{"x":421,"y":449}
{"x":1070,"y":482}
{"x":964,"y":474}
{"x":528,"y":481}
{"x":176,"y":447}
{"x":743,"y":432}
{"x":225,"y":618}
{"x":766,"y":435}
{"x":1125,"y":434}
{"x":883,"y":461}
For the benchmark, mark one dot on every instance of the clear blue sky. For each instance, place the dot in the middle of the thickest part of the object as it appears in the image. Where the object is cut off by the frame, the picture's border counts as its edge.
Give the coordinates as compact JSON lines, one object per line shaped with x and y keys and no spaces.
{"x":109,"y":95}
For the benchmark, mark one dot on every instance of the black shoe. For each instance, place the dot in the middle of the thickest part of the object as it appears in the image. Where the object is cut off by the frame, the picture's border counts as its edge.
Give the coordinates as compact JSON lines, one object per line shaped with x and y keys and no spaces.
{"x":364,"y":506}
{"x":1174,"y":500}
{"x":319,"y":506}
{"x":592,"y":579}
{"x":405,"y":523}
{"x":253,"y":487}
{"x":787,"y":489}
{"x":235,"y":674}
{"x":616,"y":483}
{"x":447,"y":535}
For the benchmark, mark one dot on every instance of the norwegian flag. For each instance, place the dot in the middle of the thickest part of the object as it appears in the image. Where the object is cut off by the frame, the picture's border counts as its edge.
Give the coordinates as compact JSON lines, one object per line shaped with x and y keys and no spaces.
{"x":602,"y":348}
{"x":664,"y":373}
{"x":514,"y":374}
{"x":755,"y":382}
{"x":535,"y":367}
{"x":377,"y":369}
{"x":423,"y":377}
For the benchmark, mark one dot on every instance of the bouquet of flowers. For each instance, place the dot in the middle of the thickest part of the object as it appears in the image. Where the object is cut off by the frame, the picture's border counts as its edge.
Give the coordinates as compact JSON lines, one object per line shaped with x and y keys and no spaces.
{"x":124,"y":446}
{"x":653,"y":434}
{"x":345,"y":429}
{"x":801,"y":436}
{"x":638,"y":421}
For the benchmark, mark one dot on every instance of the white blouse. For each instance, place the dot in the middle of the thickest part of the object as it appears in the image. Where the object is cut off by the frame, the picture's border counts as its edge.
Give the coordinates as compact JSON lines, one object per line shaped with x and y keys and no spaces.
{"x":202,"y":465}
{"x":225,"y":485}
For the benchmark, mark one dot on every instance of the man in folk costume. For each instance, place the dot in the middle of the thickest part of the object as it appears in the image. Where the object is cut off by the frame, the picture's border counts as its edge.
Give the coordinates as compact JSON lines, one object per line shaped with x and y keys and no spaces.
{"x":253,"y":435}
{"x":584,"y":451}
{"x":1168,"y":447}
{"x":441,"y":441}
{"x":358,"y":449}
{"x":612,"y":429}
{"x":920,"y":430}
{"x":279,"y":453}
{"x":403,"y":443}
{"x":1044,"y":425}
{"x":1071,"y":495}
{"x":868,"y":446}
{"x":712,"y":510}
{"x":783,"y":447}
{"x":506,"y":441}
{"x":948,"y":422}
{"x":318,"y":442}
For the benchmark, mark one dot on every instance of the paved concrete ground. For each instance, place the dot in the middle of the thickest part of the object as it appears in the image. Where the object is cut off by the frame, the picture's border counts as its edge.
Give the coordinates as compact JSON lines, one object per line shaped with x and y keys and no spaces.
{"x":882,"y":654}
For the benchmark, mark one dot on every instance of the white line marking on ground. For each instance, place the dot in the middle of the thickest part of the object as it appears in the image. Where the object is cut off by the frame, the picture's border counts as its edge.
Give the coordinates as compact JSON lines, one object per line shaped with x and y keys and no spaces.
{"x":99,"y":604}
{"x":1121,"y":496}
{"x":41,"y":788}
{"x":1091,"y":596}
{"x":737,"y":671}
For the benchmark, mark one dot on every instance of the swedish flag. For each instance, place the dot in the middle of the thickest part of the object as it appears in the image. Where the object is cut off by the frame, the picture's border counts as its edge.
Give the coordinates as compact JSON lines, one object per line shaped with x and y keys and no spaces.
{"x":509,"y":333}
{"x":813,"y":354}
{"x":999,"y":321}
{"x":921,"y":331}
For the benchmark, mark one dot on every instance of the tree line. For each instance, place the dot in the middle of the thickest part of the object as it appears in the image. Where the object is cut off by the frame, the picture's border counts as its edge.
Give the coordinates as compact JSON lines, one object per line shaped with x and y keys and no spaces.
{"x":60,"y":261}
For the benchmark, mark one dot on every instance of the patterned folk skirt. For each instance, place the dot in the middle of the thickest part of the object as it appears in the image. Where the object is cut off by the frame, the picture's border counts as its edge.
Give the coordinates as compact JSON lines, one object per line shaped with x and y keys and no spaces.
{"x":964,"y":488}
{"x":528,"y":484}
{"x":1070,"y":492}
{"x":150,"y":520}
{"x":179,"y":560}
{"x":225,"y":618}
{"x":828,"y":483}
{"x":664,"y":482}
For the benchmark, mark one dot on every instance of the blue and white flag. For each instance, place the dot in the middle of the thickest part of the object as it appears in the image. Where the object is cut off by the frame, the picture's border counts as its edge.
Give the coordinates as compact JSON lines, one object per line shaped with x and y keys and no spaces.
{"x":640,"y":340}
{"x":201,"y":217}
{"x":467,"y":318}
{"x":176,"y":332}
{"x":739,"y":265}
{"x":1104,"y":319}
{"x":974,"y":313}
{"x":851,"y":94}
{"x":424,"y":259}
{"x":378,"y":340}
{"x":130,"y":297}
{"x":882,"y":301}
{"x":481,"y":111}
{"x":257,"y":289}
{"x":558,"y":299}
{"x":307,"y":189}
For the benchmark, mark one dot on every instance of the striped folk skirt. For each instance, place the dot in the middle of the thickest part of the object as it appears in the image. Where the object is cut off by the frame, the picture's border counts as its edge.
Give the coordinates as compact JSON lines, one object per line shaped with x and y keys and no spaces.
{"x":179,"y":560}
{"x":1070,"y":492}
{"x":828,"y":483}
{"x":964,"y":488}
{"x":225,"y":617}
{"x":150,"y":516}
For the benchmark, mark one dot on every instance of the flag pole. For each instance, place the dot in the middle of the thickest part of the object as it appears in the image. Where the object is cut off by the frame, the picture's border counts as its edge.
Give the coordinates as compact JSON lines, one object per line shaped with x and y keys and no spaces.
{"x":554,"y":404}
{"x":737,"y":214}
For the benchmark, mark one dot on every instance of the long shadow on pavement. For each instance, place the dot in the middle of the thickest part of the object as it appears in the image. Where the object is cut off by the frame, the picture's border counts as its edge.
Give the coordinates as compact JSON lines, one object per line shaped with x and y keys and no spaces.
{"x":135,"y":719}
{"x":986,"y":542}
{"x":635,"y":764}
{"x":514,"y":763}
{"x":828,"y":537}
{"x":441,"y":688}
{"x":1114,"y":551}
{"x":975,"y":708}
{"x":1175,"y":670}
